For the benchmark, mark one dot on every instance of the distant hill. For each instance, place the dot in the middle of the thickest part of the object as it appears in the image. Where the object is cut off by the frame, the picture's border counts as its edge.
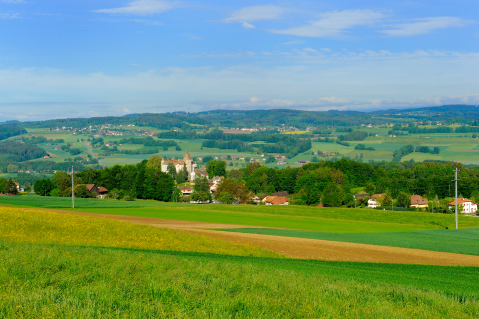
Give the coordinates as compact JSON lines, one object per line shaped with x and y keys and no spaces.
{"x":434,"y":113}
{"x":275,"y":117}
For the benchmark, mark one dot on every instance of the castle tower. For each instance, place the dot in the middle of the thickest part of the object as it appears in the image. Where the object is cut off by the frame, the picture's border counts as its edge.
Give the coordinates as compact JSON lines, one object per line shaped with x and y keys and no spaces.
{"x":189,"y":163}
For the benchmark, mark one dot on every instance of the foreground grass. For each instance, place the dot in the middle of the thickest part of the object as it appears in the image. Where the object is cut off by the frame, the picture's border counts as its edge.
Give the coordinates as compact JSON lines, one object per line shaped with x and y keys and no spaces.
{"x":33,"y":226}
{"x":462,"y":241}
{"x":90,"y":282}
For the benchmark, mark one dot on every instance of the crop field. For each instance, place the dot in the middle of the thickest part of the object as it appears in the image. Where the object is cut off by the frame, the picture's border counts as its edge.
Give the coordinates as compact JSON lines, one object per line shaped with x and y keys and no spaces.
{"x":34,"y":226}
{"x":291,"y":217}
{"x":65,"y":266}
{"x":463,"y":241}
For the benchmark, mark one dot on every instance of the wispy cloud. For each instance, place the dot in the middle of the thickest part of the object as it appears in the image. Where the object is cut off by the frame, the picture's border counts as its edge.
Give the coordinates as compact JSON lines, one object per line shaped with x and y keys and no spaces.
{"x":142,"y":7}
{"x":255,"y":13}
{"x":425,"y":25}
{"x":334,"y":24}
{"x":9,"y":16}
{"x":236,"y":55}
{"x":13,"y":1}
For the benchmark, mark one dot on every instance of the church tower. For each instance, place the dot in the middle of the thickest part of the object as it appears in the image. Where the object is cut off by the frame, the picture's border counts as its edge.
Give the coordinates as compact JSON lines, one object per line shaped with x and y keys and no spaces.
{"x":188,"y":162}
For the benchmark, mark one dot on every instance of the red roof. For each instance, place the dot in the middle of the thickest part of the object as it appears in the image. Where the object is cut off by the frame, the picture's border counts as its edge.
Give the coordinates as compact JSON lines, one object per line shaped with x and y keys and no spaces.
{"x":102,"y":189}
{"x":461,"y":201}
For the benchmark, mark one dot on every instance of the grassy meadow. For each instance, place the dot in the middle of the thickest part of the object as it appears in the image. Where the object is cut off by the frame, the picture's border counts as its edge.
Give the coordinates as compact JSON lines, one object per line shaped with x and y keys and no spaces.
{"x":339,"y":220}
{"x":462,"y":241}
{"x":66,"y":266}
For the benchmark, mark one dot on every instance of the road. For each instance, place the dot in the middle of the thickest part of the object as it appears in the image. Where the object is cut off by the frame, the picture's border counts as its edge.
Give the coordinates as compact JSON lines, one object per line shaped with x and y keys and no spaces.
{"x":90,"y":151}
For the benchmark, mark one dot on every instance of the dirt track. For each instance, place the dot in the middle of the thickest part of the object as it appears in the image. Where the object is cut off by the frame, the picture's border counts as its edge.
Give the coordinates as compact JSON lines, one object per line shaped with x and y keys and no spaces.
{"x":305,"y":248}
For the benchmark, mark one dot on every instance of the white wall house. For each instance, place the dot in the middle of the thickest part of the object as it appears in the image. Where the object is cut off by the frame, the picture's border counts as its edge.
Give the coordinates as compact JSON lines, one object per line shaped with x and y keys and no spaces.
{"x":373,"y":200}
{"x":468,"y":206}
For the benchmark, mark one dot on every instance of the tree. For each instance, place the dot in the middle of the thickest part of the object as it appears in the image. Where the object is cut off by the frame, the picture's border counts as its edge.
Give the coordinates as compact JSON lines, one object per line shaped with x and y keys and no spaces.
{"x":27,"y":187}
{"x":201,"y":189}
{"x":3,"y":184}
{"x":82,"y":191}
{"x":404,"y":200}
{"x":44,"y":187}
{"x":154,"y":162}
{"x":11,"y":187}
{"x":12,"y":168}
{"x":238,"y":192}
{"x":210,"y":168}
{"x":220,"y":169}
{"x":171,"y":169}
{"x":370,"y":188}
{"x":332,"y":196}
{"x":225,"y":198}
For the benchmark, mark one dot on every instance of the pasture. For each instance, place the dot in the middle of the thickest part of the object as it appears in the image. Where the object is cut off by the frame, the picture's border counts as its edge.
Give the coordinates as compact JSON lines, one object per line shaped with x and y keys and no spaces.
{"x":64,"y":266}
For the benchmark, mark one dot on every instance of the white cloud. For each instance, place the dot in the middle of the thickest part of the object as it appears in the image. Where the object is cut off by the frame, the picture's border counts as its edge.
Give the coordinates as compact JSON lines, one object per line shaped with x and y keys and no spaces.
{"x":326,"y":50}
{"x":255,"y":13}
{"x":142,"y":7}
{"x":9,"y":16}
{"x":366,"y":80}
{"x":13,"y":1}
{"x":334,"y":24}
{"x":247,"y":25}
{"x":426,"y":25}
{"x":310,"y":50}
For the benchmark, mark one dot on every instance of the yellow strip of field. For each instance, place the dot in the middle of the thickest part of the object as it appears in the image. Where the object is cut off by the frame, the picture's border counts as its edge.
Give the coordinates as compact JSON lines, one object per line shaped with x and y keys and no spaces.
{"x":34,"y":226}
{"x":296,"y":132}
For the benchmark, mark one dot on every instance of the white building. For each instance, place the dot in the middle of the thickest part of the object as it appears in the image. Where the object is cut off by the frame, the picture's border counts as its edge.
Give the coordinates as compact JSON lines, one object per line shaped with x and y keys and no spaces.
{"x":179,"y":164}
{"x":468,"y":206}
{"x":373,"y":200}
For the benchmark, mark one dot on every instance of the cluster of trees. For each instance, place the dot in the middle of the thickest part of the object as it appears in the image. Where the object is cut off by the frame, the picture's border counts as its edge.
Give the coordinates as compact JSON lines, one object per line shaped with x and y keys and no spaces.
{"x":403,"y":151}
{"x":144,"y":180}
{"x":363,"y":147}
{"x":238,"y":145}
{"x":216,"y":168}
{"x":331,"y":182}
{"x":426,"y":149}
{"x":8,"y":186}
{"x":186,"y":135}
{"x":354,"y":136}
{"x":9,"y":130}
{"x":147,"y":141}
{"x":11,"y":151}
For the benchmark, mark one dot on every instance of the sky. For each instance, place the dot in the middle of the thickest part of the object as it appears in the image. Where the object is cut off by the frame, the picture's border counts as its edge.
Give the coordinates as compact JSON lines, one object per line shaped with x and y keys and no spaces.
{"x":82,"y":58}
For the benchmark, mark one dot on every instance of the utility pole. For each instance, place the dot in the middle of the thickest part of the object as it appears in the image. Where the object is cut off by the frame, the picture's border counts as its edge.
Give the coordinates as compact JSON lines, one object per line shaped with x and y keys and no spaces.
{"x":455,"y":180}
{"x":73,"y":190}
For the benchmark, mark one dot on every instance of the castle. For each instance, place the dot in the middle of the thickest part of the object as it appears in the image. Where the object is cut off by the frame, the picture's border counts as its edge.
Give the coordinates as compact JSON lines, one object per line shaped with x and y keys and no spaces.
{"x":179,"y":164}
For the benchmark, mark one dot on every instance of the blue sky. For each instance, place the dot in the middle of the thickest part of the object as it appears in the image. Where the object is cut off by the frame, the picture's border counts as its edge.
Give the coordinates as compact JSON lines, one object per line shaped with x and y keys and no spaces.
{"x":93,"y":58}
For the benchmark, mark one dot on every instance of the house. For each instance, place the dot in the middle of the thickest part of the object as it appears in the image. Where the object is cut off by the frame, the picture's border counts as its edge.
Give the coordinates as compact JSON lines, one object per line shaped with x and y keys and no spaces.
{"x":102,"y":192}
{"x":197,"y":173}
{"x":468,"y":206}
{"x":185,"y":190}
{"x":373,"y":200}
{"x":275,"y":200}
{"x":215,"y":180}
{"x":418,"y":202}
{"x":303,"y":162}
{"x":91,"y":188}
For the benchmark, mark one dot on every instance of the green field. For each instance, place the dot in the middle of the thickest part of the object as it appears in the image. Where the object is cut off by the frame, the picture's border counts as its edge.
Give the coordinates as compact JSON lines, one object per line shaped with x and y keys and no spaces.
{"x":67,"y":266}
{"x":462,"y":241}
{"x":291,"y":217}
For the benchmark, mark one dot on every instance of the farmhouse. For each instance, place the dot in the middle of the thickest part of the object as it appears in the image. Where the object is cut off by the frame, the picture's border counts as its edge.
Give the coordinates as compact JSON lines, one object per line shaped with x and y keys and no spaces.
{"x":179,"y":164}
{"x":418,"y":202}
{"x":373,"y":200}
{"x":275,"y":200}
{"x":185,"y":190}
{"x":468,"y":206}
{"x":198,"y":173}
